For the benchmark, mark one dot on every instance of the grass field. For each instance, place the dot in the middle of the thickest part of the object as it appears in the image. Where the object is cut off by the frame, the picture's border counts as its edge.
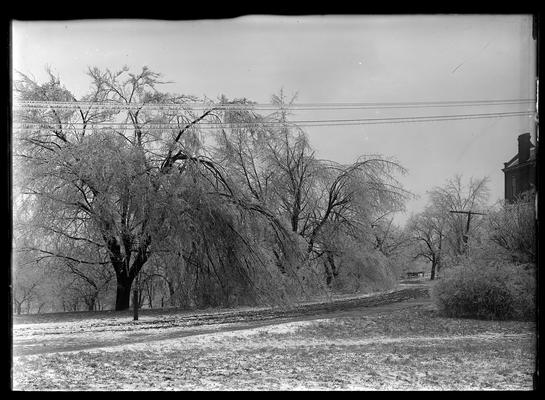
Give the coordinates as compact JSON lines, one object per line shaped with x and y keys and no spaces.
{"x":405,"y":345}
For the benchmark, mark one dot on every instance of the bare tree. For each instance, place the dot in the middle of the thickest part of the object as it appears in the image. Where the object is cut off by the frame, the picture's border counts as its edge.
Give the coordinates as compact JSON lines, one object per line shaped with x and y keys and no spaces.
{"x":428,"y":230}
{"x":102,"y":185}
{"x":457,"y":196}
{"x":88,"y":283}
{"x":122,"y":182}
{"x":27,"y":284}
{"x":437,"y":231}
{"x":319,"y":198}
{"x":512,"y":227}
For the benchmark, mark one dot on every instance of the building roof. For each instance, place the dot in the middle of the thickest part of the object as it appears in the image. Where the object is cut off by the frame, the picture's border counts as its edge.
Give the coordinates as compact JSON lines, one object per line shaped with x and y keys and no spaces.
{"x":515,"y":160}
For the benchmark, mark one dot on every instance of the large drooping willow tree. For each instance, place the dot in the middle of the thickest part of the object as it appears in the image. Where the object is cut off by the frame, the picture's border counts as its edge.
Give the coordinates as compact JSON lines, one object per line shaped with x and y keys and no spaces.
{"x":127,"y":175}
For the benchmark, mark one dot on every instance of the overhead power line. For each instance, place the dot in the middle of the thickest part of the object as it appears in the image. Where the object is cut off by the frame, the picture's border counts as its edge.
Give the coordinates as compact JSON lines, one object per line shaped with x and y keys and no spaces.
{"x":302,"y":123}
{"x":110,"y":105}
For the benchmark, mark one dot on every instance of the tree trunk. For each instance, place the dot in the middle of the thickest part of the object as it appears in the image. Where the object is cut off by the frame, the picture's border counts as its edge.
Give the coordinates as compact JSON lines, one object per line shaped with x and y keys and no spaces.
{"x":123,"y":293}
{"x":295,"y":221}
{"x":331,"y":261}
{"x":279,"y":263}
{"x":125,"y":280}
{"x":328,"y":273}
{"x":140,"y":297}
{"x":171,"y":291}
{"x":433,"y":265}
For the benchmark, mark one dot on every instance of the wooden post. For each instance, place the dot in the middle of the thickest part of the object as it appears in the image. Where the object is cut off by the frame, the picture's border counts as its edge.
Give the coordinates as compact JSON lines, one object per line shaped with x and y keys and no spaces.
{"x":135,"y":304}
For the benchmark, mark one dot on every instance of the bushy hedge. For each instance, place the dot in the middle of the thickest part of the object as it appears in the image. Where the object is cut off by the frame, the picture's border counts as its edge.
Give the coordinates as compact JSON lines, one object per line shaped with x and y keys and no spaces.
{"x":487,"y":291}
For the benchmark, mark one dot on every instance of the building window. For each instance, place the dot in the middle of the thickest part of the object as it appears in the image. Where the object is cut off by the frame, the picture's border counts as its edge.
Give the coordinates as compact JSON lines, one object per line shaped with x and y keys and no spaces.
{"x":513,"y":185}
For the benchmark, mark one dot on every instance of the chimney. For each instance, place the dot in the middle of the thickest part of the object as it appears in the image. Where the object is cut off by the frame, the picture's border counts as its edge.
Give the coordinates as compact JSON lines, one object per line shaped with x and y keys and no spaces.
{"x":524,"y":147}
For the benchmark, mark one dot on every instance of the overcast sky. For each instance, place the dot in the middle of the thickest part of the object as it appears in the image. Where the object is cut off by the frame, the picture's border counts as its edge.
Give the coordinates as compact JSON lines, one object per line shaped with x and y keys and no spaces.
{"x":331,"y":59}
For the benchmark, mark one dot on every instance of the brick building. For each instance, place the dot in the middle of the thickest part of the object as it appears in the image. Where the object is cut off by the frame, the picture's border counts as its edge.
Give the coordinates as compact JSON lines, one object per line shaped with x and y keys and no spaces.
{"x":520,"y":171}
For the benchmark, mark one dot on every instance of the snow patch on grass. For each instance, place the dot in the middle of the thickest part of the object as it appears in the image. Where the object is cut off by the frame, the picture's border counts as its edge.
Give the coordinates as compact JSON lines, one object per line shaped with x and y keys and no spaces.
{"x":389,"y":349}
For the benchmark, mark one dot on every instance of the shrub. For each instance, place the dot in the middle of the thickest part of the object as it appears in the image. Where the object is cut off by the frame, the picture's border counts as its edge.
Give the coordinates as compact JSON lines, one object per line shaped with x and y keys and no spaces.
{"x":524,"y":292}
{"x":487,"y":291}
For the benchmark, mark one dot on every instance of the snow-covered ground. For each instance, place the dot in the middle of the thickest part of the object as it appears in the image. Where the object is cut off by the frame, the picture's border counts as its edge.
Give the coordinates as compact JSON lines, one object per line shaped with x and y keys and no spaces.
{"x":400,"y":348}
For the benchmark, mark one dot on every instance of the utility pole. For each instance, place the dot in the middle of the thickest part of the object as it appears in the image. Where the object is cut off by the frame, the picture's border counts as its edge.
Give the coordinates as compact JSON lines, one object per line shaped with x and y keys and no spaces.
{"x":469,"y":213}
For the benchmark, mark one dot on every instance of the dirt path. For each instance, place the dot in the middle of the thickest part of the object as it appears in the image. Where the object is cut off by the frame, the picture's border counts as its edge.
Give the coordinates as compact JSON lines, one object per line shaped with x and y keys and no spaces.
{"x":30,"y":341}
